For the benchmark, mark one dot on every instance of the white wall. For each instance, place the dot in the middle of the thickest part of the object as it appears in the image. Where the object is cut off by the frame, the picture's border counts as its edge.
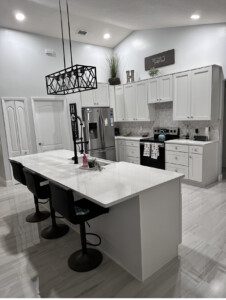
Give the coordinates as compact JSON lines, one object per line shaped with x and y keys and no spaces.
{"x":194,"y":46}
{"x":23,"y":67}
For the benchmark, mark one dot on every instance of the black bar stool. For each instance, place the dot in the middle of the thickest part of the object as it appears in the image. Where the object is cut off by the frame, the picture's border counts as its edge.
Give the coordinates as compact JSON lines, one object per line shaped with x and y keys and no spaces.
{"x":40,"y":188}
{"x":18,"y":172}
{"x":78,"y":212}
{"x":35,"y":184}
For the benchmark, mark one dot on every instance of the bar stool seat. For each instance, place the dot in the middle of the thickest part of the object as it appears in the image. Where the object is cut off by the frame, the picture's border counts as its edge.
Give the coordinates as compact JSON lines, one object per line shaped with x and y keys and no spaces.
{"x":78,"y":212}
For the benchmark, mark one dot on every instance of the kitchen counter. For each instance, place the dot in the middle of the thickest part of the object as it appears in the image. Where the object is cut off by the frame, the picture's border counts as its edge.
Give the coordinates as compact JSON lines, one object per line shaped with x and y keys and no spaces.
{"x":190,"y":142}
{"x":118,"y":181}
{"x":129,"y":138}
{"x":143,"y":228}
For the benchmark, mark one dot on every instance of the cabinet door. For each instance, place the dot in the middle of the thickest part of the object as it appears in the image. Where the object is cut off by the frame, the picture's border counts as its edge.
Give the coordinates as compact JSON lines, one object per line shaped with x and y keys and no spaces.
{"x":130,"y":102}
{"x":165,"y":88}
{"x":195,"y":167}
{"x":119,"y":104}
{"x":87,"y":98}
{"x":102,"y":95}
{"x":182,"y":88}
{"x":121,"y":152}
{"x":201,"y":87}
{"x":153,"y":94}
{"x":142,"y":101}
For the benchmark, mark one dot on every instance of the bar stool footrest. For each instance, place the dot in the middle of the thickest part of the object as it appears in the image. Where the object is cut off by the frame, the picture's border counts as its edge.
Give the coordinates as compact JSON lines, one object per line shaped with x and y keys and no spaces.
{"x":54,"y":232}
{"x":84,"y":262}
{"x":37,"y":217}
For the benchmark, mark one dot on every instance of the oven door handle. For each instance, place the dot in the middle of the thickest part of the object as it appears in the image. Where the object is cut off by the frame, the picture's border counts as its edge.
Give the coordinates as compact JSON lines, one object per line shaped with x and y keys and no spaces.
{"x":160,"y":145}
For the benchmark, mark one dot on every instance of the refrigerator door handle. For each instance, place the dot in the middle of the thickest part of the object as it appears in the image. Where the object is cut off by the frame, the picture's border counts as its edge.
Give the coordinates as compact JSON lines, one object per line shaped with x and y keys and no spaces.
{"x":101,"y":133}
{"x":102,"y":128}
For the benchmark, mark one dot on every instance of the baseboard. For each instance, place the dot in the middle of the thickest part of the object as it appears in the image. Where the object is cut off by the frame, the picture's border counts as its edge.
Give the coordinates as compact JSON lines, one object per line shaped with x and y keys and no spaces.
{"x":9,"y":183}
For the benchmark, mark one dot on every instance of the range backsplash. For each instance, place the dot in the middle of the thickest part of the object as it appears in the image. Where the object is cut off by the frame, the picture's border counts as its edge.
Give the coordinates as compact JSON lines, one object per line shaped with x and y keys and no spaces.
{"x":164,"y":118}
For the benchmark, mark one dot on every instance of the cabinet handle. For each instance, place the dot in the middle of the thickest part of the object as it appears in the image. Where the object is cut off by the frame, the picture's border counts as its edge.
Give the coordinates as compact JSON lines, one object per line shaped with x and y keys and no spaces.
{"x":188,"y":117}
{"x":190,"y":156}
{"x":176,"y":148}
{"x":192,"y":117}
{"x":176,"y":157}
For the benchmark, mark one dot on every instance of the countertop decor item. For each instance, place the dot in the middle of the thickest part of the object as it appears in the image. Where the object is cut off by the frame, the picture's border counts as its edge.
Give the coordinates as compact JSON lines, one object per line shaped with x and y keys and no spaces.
{"x":113,"y":63}
{"x":153,"y":72}
{"x":74,"y":79}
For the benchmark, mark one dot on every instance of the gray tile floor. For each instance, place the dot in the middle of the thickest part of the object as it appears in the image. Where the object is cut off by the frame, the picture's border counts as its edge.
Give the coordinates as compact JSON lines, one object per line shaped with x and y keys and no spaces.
{"x":33,"y":267}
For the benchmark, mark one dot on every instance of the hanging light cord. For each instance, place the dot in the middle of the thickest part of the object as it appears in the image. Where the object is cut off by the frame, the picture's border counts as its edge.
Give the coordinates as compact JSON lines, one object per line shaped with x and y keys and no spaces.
{"x":62,"y":33}
{"x":69,"y":32}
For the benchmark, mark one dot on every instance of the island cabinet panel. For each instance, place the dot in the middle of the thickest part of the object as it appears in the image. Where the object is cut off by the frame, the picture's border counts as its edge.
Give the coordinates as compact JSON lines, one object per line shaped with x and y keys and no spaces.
{"x":130,"y":92}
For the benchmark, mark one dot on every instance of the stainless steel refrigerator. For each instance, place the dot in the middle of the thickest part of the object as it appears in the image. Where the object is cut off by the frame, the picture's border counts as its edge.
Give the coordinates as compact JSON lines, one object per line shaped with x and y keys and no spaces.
{"x":99,"y":132}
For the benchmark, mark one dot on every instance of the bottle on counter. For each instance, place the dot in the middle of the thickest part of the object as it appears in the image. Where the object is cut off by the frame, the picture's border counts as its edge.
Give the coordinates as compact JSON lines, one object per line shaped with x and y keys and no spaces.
{"x":85,"y":161}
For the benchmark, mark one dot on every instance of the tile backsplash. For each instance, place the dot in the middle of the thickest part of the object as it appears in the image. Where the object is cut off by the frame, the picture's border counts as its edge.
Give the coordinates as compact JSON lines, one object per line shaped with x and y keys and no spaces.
{"x":164,"y":118}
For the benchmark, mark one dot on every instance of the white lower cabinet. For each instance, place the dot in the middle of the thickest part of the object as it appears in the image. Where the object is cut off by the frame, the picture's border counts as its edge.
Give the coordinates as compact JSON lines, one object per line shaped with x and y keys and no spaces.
{"x":128,"y":150}
{"x":197,"y":163}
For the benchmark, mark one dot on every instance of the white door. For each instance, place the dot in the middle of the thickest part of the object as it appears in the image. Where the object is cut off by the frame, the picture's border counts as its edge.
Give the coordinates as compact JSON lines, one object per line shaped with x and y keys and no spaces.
{"x":130,"y":102}
{"x":165,"y":88}
{"x":102,"y":95}
{"x":142,"y":101}
{"x":87,"y":98}
{"x":49,"y":119}
{"x":153,"y":94}
{"x":17,"y":127}
{"x":119,"y":104}
{"x":195,"y":167}
{"x":201,"y":88}
{"x":182,"y":92}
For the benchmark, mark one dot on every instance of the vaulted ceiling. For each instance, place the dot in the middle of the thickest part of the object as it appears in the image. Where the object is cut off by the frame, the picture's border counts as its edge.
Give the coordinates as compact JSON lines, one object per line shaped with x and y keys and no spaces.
{"x":117,"y":17}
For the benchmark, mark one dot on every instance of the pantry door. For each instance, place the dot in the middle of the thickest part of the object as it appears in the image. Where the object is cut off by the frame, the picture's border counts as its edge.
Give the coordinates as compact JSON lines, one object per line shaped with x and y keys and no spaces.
{"x":50,"y":115}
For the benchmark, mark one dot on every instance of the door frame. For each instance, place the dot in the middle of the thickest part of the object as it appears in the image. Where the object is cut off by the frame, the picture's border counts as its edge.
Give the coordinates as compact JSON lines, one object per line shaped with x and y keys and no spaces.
{"x":63,"y":100}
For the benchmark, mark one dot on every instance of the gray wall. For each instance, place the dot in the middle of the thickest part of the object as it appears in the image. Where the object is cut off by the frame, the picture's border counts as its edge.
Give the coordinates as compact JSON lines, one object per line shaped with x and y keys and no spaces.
{"x":194,"y":46}
{"x":24,"y":65}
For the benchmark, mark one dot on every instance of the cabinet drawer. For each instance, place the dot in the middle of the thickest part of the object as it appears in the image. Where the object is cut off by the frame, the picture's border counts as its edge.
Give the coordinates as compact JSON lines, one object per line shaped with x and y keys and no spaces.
{"x":178,"y":158}
{"x":132,"y":143}
{"x":132,"y":151}
{"x":178,"y":169}
{"x":133,"y":160}
{"x":177,"y":147}
{"x":196,"y":149}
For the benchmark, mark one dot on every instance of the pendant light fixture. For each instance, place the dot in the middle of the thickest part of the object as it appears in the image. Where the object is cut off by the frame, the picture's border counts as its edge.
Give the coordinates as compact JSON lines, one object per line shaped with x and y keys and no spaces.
{"x":74,"y":79}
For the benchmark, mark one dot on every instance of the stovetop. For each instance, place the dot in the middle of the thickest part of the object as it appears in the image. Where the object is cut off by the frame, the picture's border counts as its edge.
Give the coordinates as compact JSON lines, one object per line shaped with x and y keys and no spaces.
{"x":170,"y":134}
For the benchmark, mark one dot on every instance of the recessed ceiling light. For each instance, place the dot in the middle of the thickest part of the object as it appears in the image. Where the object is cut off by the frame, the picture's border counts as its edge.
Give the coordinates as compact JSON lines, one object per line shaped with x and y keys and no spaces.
{"x":195,"y":17}
{"x":20,"y":16}
{"x":107,"y":36}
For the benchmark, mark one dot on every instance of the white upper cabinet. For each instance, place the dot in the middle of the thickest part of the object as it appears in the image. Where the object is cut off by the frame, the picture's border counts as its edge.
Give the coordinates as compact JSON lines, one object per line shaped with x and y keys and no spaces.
{"x":142,"y":101}
{"x":119,"y":104}
{"x":160,"y":89}
{"x":197,"y":94}
{"x":102,"y":95}
{"x":181,"y":106}
{"x":166,"y":88}
{"x":98,"y":97}
{"x":130,"y":102}
{"x":201,"y":88}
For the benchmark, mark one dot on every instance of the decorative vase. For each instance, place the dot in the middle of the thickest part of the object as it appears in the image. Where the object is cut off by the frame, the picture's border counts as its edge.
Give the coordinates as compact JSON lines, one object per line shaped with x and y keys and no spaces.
{"x":114,"y":81}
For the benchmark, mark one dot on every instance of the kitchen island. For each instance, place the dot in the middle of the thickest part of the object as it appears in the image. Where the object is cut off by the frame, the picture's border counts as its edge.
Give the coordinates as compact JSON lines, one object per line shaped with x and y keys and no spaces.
{"x":143,"y":228}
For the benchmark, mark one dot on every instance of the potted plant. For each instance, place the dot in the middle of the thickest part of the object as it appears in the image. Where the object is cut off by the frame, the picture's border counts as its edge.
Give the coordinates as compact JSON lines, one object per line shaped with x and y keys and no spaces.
{"x":153,"y":72}
{"x":113,"y":63}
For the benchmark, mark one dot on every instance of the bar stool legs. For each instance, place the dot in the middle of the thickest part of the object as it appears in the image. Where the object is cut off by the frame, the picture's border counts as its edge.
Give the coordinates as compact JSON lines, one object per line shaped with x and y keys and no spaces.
{"x":85,"y":259}
{"x":55,"y":230}
{"x":38,"y":216}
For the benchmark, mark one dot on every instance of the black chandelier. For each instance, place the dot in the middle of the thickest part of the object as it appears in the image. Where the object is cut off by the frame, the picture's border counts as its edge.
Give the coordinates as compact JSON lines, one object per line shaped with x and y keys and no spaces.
{"x":74,"y":79}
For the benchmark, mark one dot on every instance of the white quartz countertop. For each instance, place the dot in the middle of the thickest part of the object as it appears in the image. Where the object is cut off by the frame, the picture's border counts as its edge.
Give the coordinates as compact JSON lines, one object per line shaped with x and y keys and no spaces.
{"x":190,"y":142}
{"x":129,"y":138}
{"x":117,"y":182}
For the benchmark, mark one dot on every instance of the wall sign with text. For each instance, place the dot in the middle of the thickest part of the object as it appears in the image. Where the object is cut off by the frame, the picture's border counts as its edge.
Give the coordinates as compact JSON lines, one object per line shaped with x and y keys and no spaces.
{"x":160,"y":60}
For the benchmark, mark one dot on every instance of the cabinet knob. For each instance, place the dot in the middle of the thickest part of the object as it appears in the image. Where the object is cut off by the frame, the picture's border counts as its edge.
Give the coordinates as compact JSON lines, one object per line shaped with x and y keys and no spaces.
{"x":176,"y":148}
{"x":176,"y":157}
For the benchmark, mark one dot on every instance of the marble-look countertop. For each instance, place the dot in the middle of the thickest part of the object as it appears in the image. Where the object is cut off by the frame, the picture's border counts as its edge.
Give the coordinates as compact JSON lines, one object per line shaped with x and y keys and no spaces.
{"x":117,"y":182}
{"x":129,"y":138}
{"x":190,"y":142}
